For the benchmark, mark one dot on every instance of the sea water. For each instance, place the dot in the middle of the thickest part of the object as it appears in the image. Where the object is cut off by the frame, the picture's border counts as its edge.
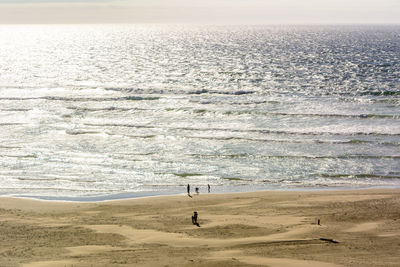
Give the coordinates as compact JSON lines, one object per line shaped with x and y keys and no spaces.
{"x":101,"y":110}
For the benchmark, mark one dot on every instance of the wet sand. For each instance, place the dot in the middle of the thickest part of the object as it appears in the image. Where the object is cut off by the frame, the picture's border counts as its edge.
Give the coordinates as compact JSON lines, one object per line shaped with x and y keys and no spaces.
{"x":357,"y":228}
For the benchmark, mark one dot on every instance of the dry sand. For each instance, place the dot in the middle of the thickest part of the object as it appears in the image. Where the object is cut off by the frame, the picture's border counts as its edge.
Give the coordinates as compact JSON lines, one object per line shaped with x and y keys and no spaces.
{"x":358,"y":228}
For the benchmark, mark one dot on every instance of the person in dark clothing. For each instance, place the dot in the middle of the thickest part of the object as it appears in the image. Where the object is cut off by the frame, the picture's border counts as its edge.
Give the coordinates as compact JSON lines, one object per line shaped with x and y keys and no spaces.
{"x":188,"y":189}
{"x":194,"y":219}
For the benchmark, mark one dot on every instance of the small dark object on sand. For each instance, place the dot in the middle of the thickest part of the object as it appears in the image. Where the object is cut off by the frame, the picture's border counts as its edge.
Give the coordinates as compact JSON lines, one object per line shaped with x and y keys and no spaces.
{"x":329,"y":240}
{"x":194,"y":219}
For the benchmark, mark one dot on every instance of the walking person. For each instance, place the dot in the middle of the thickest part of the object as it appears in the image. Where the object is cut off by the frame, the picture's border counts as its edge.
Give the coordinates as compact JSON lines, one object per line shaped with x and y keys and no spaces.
{"x":194,"y":219}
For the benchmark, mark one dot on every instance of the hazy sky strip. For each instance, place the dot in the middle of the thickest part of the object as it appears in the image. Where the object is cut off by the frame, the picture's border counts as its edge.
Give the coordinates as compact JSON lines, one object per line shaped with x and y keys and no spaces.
{"x":200,"y":11}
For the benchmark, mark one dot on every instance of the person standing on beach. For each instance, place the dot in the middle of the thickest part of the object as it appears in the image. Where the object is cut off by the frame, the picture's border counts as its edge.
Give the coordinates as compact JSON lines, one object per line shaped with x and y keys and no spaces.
{"x":194,"y":219}
{"x":209,"y":188}
{"x":188,"y":189}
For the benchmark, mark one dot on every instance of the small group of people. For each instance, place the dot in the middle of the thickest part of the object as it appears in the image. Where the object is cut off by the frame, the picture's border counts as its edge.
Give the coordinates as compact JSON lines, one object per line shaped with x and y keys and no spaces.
{"x":195,"y":214}
{"x":197,"y":190}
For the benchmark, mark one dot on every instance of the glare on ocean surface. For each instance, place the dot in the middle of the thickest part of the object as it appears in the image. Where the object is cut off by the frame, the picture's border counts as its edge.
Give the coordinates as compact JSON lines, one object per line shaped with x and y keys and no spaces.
{"x":107,"y":109}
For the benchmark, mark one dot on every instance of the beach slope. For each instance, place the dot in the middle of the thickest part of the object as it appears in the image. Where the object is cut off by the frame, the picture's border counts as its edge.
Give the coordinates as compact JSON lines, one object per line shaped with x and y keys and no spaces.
{"x":356,"y":228}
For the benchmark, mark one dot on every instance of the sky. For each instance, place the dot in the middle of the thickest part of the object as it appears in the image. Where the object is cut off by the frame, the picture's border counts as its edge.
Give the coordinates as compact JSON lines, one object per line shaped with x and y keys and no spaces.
{"x":201,"y":11}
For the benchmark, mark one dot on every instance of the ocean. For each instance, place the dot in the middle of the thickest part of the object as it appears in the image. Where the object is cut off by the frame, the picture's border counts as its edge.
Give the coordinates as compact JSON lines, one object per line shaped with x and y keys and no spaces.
{"x":112,"y":111}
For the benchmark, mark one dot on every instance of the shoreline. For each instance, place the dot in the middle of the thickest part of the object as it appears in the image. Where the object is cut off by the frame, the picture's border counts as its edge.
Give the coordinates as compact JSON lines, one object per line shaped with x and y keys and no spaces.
{"x":148,"y":194}
{"x":266,"y":228}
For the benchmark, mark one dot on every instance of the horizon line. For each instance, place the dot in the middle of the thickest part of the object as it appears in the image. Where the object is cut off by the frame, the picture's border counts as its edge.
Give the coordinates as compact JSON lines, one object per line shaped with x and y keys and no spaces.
{"x":214,"y":24}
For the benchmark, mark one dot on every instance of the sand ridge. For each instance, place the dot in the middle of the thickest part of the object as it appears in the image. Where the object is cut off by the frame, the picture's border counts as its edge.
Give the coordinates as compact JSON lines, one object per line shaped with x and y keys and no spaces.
{"x":272,"y":262}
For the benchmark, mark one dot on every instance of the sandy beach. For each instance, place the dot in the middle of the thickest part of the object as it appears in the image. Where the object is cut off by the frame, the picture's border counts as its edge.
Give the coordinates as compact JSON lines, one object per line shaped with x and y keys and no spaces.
{"x":357,"y":228}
